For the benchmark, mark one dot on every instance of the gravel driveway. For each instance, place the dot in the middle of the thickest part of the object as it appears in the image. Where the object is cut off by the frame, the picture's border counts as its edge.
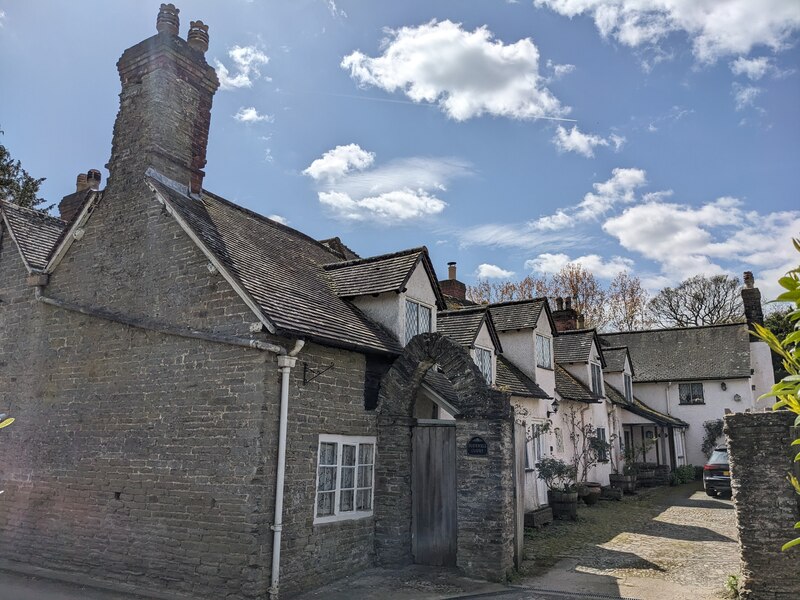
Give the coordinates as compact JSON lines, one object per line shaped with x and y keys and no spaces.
{"x":674,"y":543}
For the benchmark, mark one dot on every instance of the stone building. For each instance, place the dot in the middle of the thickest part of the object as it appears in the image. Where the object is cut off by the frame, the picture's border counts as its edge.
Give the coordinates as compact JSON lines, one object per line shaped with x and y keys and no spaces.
{"x":211,"y":403}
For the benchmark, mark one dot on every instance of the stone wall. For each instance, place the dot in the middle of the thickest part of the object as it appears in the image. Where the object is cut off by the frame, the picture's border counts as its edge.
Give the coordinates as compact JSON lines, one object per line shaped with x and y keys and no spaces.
{"x":766,"y":505}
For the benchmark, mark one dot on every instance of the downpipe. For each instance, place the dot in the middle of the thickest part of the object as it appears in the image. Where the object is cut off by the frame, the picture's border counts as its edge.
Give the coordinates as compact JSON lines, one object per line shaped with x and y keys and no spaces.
{"x":285,"y":363}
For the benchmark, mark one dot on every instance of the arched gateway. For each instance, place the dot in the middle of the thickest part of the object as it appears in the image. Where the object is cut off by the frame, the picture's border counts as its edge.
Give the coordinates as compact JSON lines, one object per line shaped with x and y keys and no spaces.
{"x":446,"y":489}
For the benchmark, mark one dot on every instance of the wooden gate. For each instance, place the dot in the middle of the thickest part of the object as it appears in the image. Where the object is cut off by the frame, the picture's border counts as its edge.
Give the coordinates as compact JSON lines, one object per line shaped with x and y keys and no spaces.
{"x":433,"y":495}
{"x":520,"y":440}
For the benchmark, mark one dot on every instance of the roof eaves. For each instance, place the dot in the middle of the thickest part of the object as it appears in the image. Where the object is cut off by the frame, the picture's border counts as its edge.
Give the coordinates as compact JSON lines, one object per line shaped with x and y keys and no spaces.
{"x":68,"y":235}
{"x":16,"y":243}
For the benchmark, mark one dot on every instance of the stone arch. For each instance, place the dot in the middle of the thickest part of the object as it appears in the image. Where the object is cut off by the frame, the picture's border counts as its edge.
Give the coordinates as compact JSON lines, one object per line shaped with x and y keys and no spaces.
{"x":485,"y":488}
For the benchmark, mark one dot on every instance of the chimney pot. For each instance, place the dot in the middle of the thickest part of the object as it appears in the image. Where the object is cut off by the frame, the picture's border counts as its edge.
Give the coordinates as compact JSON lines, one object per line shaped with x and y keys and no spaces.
{"x":581,"y":322}
{"x":567,"y":303}
{"x":168,"y":21}
{"x":198,"y":36}
{"x":81,"y":183}
{"x":749,"y":280}
{"x":93,"y":178}
{"x":559,"y":303}
{"x":451,"y":270}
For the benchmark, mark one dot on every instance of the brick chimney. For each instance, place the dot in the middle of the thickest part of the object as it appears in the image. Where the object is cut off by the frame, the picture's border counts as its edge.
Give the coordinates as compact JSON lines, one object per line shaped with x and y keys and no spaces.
{"x":165,"y":105}
{"x":452,"y":286}
{"x":71,"y":204}
{"x":751,"y":297}
{"x":565,"y":317}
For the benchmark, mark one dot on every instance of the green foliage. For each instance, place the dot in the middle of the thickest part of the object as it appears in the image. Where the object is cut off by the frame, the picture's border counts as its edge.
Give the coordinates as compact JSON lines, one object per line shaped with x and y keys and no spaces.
{"x":685,"y":473}
{"x":16,"y":184}
{"x":732,"y":586}
{"x":557,"y":475}
{"x":778,"y":322}
{"x":713,"y":432}
{"x":787,"y":390}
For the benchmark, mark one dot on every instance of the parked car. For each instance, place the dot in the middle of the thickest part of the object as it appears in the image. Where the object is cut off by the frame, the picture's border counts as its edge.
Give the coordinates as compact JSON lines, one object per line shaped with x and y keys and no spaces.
{"x":717,"y":474}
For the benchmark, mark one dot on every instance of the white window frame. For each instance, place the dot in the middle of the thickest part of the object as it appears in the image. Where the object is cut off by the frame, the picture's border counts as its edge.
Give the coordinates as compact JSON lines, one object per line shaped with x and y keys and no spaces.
{"x":592,"y":366}
{"x":605,"y":458}
{"x":628,"y":387}
{"x":549,"y":340}
{"x":419,"y":304}
{"x":349,"y":440}
{"x":488,"y":377}
{"x":535,"y":448}
{"x":691,"y":384}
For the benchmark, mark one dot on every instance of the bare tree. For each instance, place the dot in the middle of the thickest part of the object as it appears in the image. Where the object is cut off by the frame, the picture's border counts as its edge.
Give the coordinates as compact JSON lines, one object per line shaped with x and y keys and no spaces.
{"x":487,"y":292}
{"x":627,"y":303}
{"x":698,"y":300}
{"x":589,"y":296}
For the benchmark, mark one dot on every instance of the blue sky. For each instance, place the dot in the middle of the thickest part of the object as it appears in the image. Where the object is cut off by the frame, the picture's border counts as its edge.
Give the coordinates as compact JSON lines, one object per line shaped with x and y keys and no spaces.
{"x":655,"y":136}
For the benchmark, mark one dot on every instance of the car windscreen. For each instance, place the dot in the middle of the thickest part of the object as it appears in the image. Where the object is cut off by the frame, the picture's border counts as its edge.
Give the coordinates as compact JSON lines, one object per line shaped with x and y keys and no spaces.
{"x":719,"y":457}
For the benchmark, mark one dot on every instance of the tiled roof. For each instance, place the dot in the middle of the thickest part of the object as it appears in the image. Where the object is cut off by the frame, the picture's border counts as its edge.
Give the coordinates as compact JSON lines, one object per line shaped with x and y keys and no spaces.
{"x":338,"y":247}
{"x":441,"y":385}
{"x":36,"y":233}
{"x":692,"y":353}
{"x":569,"y":388}
{"x":378,"y":274}
{"x":615,"y":359}
{"x":463,"y":325}
{"x":575,"y":346}
{"x":281,"y":269}
{"x":518,"y":314}
{"x":510,"y":378}
{"x":640,"y":408}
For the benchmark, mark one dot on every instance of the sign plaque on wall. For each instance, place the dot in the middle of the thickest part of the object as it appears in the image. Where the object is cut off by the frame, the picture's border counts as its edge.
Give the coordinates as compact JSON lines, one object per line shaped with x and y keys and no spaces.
{"x":477,"y":447}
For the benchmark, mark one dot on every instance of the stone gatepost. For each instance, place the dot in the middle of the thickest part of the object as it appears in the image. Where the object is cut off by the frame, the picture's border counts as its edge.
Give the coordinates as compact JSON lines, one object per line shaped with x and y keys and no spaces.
{"x":766,"y":505}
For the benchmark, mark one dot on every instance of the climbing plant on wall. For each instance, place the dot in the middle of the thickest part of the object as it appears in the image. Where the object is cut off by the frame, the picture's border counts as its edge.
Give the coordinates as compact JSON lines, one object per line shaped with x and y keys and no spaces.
{"x":713,"y":432}
{"x":787,"y":390}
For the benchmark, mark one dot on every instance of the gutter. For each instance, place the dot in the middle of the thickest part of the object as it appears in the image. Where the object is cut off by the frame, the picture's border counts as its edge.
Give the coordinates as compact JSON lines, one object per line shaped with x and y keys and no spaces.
{"x":286,"y":361}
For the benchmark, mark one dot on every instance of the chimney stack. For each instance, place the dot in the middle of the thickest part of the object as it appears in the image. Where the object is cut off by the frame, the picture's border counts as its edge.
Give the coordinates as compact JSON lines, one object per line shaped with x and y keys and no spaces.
{"x":581,"y":322}
{"x":453,"y":287}
{"x":751,"y":297}
{"x":165,"y":105}
{"x":565,"y":317}
{"x":71,"y":204}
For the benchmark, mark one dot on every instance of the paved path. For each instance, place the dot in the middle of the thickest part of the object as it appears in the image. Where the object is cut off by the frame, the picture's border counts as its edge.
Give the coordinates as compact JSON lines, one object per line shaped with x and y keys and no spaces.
{"x":674,"y":543}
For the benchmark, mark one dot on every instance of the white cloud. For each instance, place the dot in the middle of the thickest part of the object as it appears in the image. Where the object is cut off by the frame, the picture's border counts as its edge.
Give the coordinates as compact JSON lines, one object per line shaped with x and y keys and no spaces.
{"x":247,"y":61}
{"x":279,"y":219}
{"x":335,"y":10}
{"x":753,"y":68}
{"x":715,"y":28}
{"x":686,"y":240}
{"x":401,"y":190}
{"x":486,"y":271}
{"x":549,"y":264}
{"x":251,"y":115}
{"x":745,"y":95}
{"x":574,"y":140}
{"x":339,"y":161}
{"x":467,"y":74}
{"x":559,"y":70}
{"x":2,"y":18}
{"x":620,"y":188}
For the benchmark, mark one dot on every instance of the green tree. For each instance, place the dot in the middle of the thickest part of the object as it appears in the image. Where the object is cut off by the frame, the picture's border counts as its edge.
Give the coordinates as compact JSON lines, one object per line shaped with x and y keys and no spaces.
{"x":779,"y":324}
{"x":17,"y":185}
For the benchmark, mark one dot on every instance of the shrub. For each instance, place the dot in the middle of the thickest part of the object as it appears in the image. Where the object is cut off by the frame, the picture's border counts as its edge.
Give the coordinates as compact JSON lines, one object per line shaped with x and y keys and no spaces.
{"x":685,"y":473}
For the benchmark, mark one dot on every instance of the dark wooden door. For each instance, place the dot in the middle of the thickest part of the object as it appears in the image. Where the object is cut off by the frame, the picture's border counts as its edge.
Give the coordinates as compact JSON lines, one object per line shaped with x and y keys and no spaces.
{"x":433,"y":495}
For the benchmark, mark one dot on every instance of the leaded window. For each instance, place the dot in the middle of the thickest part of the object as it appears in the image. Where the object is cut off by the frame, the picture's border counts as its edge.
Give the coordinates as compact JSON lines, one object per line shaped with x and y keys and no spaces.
{"x":483,"y":358}
{"x":345,"y":476}
{"x":418,"y":319}
{"x":544,"y":354}
{"x":691,"y":393}
{"x":628,"y":388}
{"x":597,"y":379}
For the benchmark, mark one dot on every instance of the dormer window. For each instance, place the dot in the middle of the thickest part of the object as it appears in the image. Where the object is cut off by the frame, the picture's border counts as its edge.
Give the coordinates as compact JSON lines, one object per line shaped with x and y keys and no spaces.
{"x":483,"y":358}
{"x":597,"y":379}
{"x":418,"y":319}
{"x":544,"y":353}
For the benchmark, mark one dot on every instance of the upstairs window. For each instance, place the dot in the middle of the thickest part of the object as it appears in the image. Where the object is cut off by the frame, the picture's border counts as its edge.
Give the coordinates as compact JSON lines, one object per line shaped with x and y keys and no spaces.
{"x":344,"y":478}
{"x":544,"y":354}
{"x":418,"y":319}
{"x":597,"y":379}
{"x":691,"y":393}
{"x":483,"y":358}
{"x":628,"y":388}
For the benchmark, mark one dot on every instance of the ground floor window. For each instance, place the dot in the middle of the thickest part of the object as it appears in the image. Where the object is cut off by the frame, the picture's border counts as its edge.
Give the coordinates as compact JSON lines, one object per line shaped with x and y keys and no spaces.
{"x":535,"y":450}
{"x":345,"y":476}
{"x":602,"y":448}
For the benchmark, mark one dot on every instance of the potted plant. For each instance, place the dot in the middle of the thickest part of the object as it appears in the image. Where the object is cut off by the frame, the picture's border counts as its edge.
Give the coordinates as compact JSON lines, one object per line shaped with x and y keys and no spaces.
{"x":587,"y":448}
{"x":626,"y":481}
{"x":562,"y":494}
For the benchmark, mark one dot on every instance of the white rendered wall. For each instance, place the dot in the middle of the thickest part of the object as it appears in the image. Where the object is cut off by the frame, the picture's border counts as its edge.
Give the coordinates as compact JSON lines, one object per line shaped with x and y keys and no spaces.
{"x":763,"y":375}
{"x":533,"y":411}
{"x":519,"y":349}
{"x":386,"y":309}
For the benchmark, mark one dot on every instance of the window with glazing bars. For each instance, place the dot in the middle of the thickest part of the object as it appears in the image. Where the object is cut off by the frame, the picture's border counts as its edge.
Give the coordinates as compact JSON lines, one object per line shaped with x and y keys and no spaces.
{"x":691,"y":393}
{"x":628,"y":388}
{"x":418,"y":319}
{"x":544,"y":356}
{"x":602,"y":454}
{"x":344,"y":477}
{"x":483,"y":358}
{"x":597,"y":379}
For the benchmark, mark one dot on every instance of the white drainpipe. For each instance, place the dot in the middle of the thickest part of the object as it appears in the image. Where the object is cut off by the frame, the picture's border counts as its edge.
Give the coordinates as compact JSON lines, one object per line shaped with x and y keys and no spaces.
{"x":285,"y":363}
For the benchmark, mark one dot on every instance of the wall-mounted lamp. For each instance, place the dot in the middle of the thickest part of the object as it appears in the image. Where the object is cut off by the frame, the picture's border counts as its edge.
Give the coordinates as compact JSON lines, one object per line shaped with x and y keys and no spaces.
{"x":724,"y":386}
{"x":554,"y":406}
{"x":737,"y":398}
